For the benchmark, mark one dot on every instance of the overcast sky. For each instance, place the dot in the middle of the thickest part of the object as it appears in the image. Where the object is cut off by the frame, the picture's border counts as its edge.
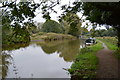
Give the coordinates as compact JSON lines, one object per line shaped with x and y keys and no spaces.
{"x":54,"y":16}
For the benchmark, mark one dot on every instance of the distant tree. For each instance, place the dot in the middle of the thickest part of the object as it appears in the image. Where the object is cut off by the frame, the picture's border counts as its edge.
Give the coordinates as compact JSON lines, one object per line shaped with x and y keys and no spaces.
{"x":52,"y":26}
{"x":109,"y":32}
{"x":72,"y":24}
{"x":65,"y":26}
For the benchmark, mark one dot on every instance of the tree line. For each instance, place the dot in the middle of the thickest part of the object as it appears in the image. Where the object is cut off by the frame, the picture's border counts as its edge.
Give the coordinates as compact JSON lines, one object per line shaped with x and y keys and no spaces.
{"x":98,"y":13}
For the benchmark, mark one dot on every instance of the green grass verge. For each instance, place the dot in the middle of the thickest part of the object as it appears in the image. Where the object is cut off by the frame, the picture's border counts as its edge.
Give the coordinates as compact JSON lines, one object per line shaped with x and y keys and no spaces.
{"x":86,"y":62}
{"x":111,"y":42}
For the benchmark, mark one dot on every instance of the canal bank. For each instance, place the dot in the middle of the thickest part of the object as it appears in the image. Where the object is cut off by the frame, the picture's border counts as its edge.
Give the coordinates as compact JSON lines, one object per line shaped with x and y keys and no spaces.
{"x":86,"y":62}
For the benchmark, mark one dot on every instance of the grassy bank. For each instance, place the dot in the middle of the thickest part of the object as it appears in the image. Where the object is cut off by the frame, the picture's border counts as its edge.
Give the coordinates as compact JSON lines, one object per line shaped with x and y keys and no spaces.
{"x":51,"y":36}
{"x":111,"y":42}
{"x":86,"y":63}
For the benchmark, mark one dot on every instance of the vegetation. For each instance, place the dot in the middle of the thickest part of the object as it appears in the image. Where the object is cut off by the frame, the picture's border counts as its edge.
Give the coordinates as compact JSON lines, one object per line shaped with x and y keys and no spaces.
{"x":111,"y":42}
{"x":51,"y":36}
{"x":71,"y":23}
{"x":98,"y":13}
{"x":14,"y":27}
{"x":17,"y":30}
{"x":111,"y":32}
{"x":86,"y":62}
{"x":52,"y":26}
{"x":103,"y":13}
{"x":13,"y":33}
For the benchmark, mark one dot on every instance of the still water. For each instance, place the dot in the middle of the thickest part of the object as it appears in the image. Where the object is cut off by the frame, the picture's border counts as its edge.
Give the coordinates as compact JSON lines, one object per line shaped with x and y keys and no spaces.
{"x":40,"y":59}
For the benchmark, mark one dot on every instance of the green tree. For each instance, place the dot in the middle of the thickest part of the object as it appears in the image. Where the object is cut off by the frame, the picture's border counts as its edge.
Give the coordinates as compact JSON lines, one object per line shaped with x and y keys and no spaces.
{"x":109,"y":32}
{"x":98,"y":12}
{"x":13,"y":33}
{"x":52,"y":26}
{"x":102,"y":13}
{"x":13,"y":21}
{"x":71,"y":24}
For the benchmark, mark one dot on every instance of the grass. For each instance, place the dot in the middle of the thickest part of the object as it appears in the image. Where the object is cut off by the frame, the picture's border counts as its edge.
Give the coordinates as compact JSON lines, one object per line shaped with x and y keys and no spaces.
{"x":86,"y":62}
{"x":111,"y":42}
{"x":51,"y":36}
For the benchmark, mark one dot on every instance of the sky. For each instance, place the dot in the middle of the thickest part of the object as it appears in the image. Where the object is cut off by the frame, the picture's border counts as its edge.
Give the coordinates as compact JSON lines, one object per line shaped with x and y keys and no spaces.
{"x":54,"y":16}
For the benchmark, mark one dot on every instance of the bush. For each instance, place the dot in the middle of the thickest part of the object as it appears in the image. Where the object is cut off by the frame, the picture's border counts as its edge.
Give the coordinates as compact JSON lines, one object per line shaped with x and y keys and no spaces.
{"x":52,"y":26}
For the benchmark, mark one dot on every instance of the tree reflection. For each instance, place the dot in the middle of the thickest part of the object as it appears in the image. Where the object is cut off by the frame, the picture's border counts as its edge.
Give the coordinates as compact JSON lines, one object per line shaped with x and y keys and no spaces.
{"x":69,"y":50}
{"x":6,"y":57}
{"x":5,"y":63}
{"x":66,"y":49}
{"x":14,"y":46}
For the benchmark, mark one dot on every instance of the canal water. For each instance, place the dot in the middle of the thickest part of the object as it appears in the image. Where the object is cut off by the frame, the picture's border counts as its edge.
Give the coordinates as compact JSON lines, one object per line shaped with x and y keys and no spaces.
{"x":40,"y":59}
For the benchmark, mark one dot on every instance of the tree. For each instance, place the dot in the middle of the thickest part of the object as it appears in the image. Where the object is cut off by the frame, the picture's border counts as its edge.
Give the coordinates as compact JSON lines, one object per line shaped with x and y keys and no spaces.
{"x":52,"y":26}
{"x":18,"y":13}
{"x":102,"y":13}
{"x":13,"y":21}
{"x":73,"y":24}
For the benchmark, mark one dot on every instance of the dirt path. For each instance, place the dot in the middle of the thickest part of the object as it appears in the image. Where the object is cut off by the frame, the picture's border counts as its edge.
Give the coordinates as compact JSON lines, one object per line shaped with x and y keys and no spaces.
{"x":108,"y":64}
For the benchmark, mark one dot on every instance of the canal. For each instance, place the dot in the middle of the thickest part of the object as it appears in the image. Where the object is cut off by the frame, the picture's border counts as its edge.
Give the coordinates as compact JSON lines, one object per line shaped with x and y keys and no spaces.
{"x":40,"y":59}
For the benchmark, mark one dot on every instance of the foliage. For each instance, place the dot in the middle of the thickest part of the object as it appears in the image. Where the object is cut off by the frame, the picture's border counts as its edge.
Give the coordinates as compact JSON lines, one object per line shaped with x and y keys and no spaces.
{"x":13,"y":34}
{"x":84,"y":30}
{"x":101,"y":33}
{"x":86,"y":62}
{"x":52,"y":26}
{"x":102,"y":13}
{"x":111,"y":42}
{"x":13,"y":21}
{"x":96,"y":12}
{"x":19,"y":12}
{"x":73,"y":24}
{"x":31,"y":27}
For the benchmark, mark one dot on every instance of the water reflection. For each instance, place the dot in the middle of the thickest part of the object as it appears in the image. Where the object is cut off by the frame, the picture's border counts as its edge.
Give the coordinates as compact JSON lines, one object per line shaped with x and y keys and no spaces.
{"x":40,"y":59}
{"x":5,"y":57}
{"x":66,"y":49}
